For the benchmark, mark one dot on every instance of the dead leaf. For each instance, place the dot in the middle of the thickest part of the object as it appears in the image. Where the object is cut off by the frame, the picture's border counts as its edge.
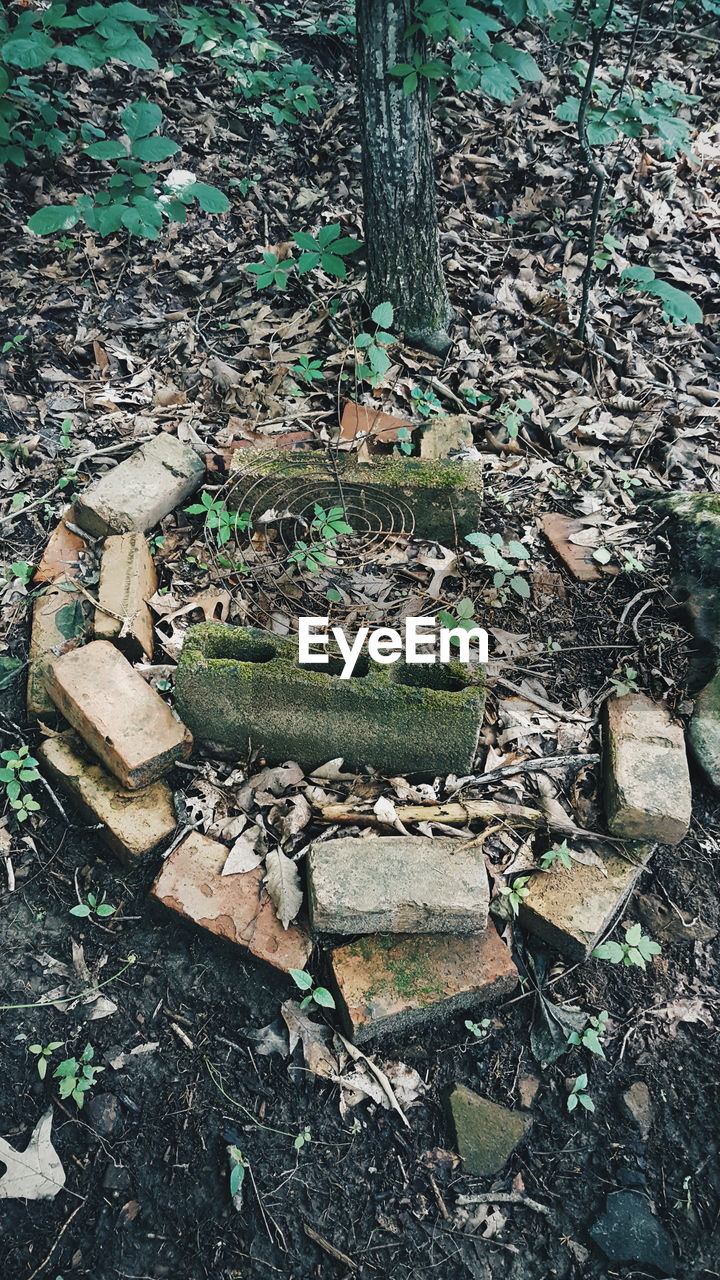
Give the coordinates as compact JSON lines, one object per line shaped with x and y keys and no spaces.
{"x":242,"y":857}
{"x":35,"y":1173}
{"x":314,"y":1038}
{"x":283,"y":885}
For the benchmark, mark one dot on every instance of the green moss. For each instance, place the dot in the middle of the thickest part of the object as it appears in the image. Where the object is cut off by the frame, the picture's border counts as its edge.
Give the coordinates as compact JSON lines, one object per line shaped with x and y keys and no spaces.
{"x":406,"y":968}
{"x":694,"y":532}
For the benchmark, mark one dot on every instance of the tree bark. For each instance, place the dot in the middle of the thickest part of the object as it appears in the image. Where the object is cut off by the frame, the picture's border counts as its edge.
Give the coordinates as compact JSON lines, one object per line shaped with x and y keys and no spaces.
{"x":401,"y":235}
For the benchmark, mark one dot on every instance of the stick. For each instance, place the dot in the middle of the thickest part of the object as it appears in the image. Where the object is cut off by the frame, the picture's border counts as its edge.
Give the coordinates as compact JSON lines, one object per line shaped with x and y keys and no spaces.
{"x":505,"y":1197}
{"x":539,"y":765}
{"x":456,"y":813}
{"x":337,"y":1254}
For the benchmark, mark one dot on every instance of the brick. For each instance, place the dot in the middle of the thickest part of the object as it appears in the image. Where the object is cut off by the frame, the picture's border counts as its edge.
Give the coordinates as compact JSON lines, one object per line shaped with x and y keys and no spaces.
{"x":60,"y":560}
{"x":138,"y":492}
{"x":436,"y":499}
{"x":571,"y":909}
{"x":48,"y":641}
{"x":235,"y":908}
{"x":396,"y":884}
{"x":127,"y":580}
{"x":486,"y":1133}
{"x":558,"y":530}
{"x":443,"y":434}
{"x":393,"y":984}
{"x":363,"y":423}
{"x":647,"y":781}
{"x":704,"y":730}
{"x":239,"y":687}
{"x":133,"y":822}
{"x":120,"y":717}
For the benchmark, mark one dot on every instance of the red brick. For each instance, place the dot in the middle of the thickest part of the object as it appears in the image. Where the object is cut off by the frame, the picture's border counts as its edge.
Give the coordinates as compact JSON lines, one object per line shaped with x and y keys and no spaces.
{"x":558,"y":529}
{"x":47,"y":642}
{"x":235,"y":907}
{"x":360,"y":422}
{"x":60,"y":557}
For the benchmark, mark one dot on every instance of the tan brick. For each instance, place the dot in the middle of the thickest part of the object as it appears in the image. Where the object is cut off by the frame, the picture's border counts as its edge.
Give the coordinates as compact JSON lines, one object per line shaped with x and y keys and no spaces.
{"x":571,"y":909}
{"x":47,"y":641}
{"x":127,"y":581}
{"x":61,"y":555}
{"x":647,"y":781}
{"x":134,"y":822}
{"x":444,"y":434}
{"x":120,"y":717}
{"x":391,"y":983}
{"x":138,"y":492}
{"x":235,"y":907}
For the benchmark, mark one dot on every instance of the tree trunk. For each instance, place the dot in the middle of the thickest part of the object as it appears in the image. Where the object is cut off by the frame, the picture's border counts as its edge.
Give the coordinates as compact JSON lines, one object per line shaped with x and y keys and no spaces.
{"x":401,"y":235}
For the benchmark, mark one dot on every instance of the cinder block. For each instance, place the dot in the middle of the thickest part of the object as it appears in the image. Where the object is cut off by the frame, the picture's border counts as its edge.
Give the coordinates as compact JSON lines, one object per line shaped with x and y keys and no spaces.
{"x":134,"y":822}
{"x":647,"y":781}
{"x":244,"y":688}
{"x":48,"y":641}
{"x":138,"y":492}
{"x":397,"y":884}
{"x":235,"y":907}
{"x":127,"y":581}
{"x":391,"y":984}
{"x":120,"y":717}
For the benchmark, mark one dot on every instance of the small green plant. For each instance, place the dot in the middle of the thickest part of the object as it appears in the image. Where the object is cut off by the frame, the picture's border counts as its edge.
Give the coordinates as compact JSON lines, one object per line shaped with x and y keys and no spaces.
{"x":22,"y":570}
{"x":77,"y":1075}
{"x":309,"y":556}
{"x":678,"y":308}
{"x":617,"y":108}
{"x":221,"y":522}
{"x":302,"y":1138}
{"x":603,"y":257}
{"x":478,"y":1029}
{"x":328,"y":251}
{"x":463,"y":618}
{"x":425,"y":403}
{"x":309,"y":370}
{"x":19,"y":767}
{"x":329,"y":524}
{"x":14,"y":344}
{"x":316,"y":995}
{"x":93,"y":906}
{"x":578,"y":1095}
{"x":515,"y":893}
{"x":559,"y":853}
{"x":637,"y":949}
{"x":497,"y":557}
{"x":238,"y":1167}
{"x":404,"y":440}
{"x":593,"y":1035}
{"x":271,"y":271}
{"x":371,"y":358}
{"x":68,"y":479}
{"x":511,"y":415}
{"x":627,"y":683}
{"x":43,"y":1053}
{"x":66,"y":426}
{"x":411,"y":73}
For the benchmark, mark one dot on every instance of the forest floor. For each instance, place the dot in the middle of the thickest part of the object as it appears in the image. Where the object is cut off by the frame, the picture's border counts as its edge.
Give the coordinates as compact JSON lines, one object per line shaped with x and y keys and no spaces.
{"x":128,"y":338}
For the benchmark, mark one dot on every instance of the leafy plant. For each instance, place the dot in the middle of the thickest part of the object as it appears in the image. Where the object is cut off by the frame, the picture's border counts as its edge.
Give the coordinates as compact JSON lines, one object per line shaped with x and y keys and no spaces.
{"x":593,"y":1035}
{"x":425,"y":403}
{"x":92,"y":906}
{"x":478,"y":1029}
{"x":309,"y":556}
{"x":238,"y":1167}
{"x":677,"y":307}
{"x":302,"y":1139}
{"x":316,"y":995}
{"x":511,"y":414}
{"x":66,"y":427}
{"x":327,"y":251}
{"x":329,"y":524}
{"x":617,"y":108}
{"x":371,"y":359}
{"x":603,"y":257}
{"x":309,"y":370}
{"x":463,"y":618}
{"x":411,"y":73}
{"x":578,"y":1094}
{"x":498,"y":557}
{"x":43,"y":1053}
{"x":19,"y":767}
{"x":404,"y":440}
{"x":21,"y":569}
{"x":626,"y":683}
{"x":271,"y":271}
{"x":559,"y":853}
{"x":77,"y":1076}
{"x":515,"y":893}
{"x":14,"y":344}
{"x":637,"y":949}
{"x":218,"y":519}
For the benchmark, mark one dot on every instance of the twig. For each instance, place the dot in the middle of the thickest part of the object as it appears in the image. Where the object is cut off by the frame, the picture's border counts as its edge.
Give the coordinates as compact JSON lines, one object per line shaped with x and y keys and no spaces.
{"x":458,"y":812}
{"x":594,"y":166}
{"x":380,"y":1076}
{"x":542,"y":702}
{"x":56,"y":1242}
{"x":540,"y":765}
{"x":337,"y":1254}
{"x":505,"y":1197}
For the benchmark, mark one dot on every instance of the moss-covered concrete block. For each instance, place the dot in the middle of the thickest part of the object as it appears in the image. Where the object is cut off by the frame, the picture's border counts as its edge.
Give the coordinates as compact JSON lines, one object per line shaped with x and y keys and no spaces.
{"x":693,"y":529}
{"x":432,"y":498}
{"x":245,"y":689}
{"x":704,"y":730}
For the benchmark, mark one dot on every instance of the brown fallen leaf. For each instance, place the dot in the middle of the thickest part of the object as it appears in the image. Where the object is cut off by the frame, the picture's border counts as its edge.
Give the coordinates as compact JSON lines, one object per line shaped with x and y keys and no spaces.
{"x":35,"y":1173}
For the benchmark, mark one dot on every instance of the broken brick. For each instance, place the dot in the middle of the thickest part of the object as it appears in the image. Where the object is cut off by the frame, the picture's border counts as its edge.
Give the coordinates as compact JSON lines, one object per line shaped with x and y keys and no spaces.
{"x":120,"y":717}
{"x":486,"y":1133}
{"x":647,"y":781}
{"x":127,"y":581}
{"x":48,"y":640}
{"x":391,"y":983}
{"x":558,"y":530}
{"x":361,"y":423}
{"x":138,"y":492}
{"x":233,"y":907}
{"x":133,"y":822}
{"x":61,"y":555}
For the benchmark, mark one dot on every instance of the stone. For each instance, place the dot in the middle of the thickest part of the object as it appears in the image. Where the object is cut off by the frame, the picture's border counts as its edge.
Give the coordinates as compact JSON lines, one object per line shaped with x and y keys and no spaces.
{"x":117,"y":1178}
{"x":571,"y":909}
{"x":628,"y":1231}
{"x":396,"y":884}
{"x":48,"y":639}
{"x":438,"y":500}
{"x":445,"y":434}
{"x":693,"y":530}
{"x":133,"y":822}
{"x":391,"y":984}
{"x":127,"y":581}
{"x":60,"y":559}
{"x":638,"y":1105}
{"x":704,"y":730}
{"x":103,"y":1113}
{"x":235,"y":908}
{"x":647,"y":781}
{"x":138,"y":492}
{"x":486,"y":1133}
{"x":667,"y":923}
{"x":120,"y":717}
{"x":245,"y":689}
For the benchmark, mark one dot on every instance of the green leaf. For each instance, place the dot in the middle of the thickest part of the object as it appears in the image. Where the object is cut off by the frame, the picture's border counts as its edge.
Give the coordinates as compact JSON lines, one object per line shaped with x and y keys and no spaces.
{"x":521,"y":587}
{"x":586,"y":1102}
{"x":638,"y":275}
{"x":237,"y":1174}
{"x":82,"y":910}
{"x":210,"y":199}
{"x":383,"y":315}
{"x":633,"y":935}
{"x":301,"y":979}
{"x":138,"y":223}
{"x":105,"y":910}
{"x":322,"y":996}
{"x":154,"y":149}
{"x":499,"y":82}
{"x":591,"y":1042}
{"x":602,"y":555}
{"x":70,"y":620}
{"x":518,"y":551}
{"x":523,"y":63}
{"x":327,"y":234}
{"x":572,"y":1102}
{"x":676,"y":305}
{"x":611,"y":951}
{"x":140,"y":118}
{"x":54,"y":217}
{"x":305,"y":241}
{"x":108,"y":149}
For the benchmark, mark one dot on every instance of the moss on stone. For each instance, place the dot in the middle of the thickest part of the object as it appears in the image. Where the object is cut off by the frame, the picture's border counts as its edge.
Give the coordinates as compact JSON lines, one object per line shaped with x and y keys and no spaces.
{"x":694,"y":530}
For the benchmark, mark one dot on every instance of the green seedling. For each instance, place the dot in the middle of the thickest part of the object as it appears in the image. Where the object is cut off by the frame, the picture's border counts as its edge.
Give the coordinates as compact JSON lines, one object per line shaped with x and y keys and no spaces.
{"x":22,"y":570}
{"x":498,"y":557}
{"x":271,"y":271}
{"x":515,"y":892}
{"x":371,"y":358}
{"x":221,"y":522}
{"x":593,"y":1035}
{"x":316,"y":995}
{"x":637,"y":949}
{"x":77,"y":1076}
{"x":478,"y":1029}
{"x":19,"y":767}
{"x":66,"y":427}
{"x":328,"y":251}
{"x":578,"y":1094}
{"x":309,"y":370}
{"x":511,"y":415}
{"x":302,"y":1139}
{"x":14,"y":344}
{"x":425,"y":403}
{"x":43,"y":1053}
{"x":309,"y":557}
{"x":329,"y":524}
{"x":93,"y":906}
{"x":463,"y":619}
{"x":559,"y":853}
{"x":404,"y":440}
{"x":625,"y":684}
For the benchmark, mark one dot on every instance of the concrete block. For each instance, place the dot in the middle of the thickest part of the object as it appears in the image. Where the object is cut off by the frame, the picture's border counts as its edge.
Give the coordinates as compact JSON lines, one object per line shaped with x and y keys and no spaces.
{"x":704,"y":730}
{"x":120,"y":717}
{"x":571,"y":909}
{"x":127,"y":581}
{"x":138,"y":492}
{"x":48,"y":640}
{"x":647,"y":782}
{"x":396,"y":884}
{"x":391,"y":984}
{"x":486,"y":1133}
{"x":134,"y":822}
{"x":241,"y":687}
{"x":235,"y":908}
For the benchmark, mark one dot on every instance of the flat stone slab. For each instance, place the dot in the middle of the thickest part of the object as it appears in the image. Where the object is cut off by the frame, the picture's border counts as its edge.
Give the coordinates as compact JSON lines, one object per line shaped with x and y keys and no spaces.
{"x":396,"y":884}
{"x":647,"y":781}
{"x":391,"y":984}
{"x":127,"y":581}
{"x":133,"y":822}
{"x":120,"y":717}
{"x":138,"y":492}
{"x":58,"y":619}
{"x":235,"y":908}
{"x":629,"y":1232}
{"x":486,"y":1133}
{"x":704,"y":730}
{"x":571,"y":909}
{"x":243,"y":688}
